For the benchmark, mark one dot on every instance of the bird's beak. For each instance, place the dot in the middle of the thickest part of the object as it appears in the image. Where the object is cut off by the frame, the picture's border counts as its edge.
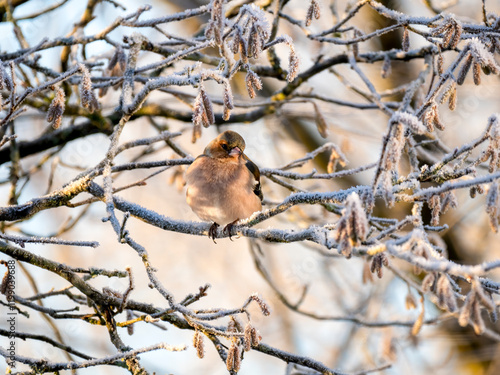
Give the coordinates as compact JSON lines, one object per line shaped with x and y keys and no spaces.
{"x":235,"y":151}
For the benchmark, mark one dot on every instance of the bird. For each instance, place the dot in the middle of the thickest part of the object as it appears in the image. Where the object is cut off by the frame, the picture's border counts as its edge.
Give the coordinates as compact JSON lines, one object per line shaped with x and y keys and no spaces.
{"x":223,"y":184}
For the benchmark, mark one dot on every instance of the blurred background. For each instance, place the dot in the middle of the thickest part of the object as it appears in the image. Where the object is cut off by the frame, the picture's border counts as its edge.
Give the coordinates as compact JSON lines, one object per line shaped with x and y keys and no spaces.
{"x":335,"y":286}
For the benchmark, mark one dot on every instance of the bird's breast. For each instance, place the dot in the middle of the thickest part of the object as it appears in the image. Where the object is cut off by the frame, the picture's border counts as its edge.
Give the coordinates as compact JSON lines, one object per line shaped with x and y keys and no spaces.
{"x":219,"y":191}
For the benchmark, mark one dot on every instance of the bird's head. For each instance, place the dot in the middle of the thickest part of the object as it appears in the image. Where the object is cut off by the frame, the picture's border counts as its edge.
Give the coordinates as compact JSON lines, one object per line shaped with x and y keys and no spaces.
{"x":227,"y":145}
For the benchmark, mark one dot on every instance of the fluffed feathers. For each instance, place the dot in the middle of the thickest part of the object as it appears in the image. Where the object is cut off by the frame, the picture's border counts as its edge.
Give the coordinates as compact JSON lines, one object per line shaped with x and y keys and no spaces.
{"x":223,"y":184}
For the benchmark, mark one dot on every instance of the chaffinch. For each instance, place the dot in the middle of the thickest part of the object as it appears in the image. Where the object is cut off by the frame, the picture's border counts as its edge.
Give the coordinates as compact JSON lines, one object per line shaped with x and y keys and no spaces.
{"x":223,"y":184}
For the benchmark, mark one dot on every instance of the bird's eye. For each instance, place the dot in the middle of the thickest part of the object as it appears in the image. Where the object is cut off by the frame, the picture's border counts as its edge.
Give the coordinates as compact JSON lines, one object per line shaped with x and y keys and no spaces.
{"x":225,"y":146}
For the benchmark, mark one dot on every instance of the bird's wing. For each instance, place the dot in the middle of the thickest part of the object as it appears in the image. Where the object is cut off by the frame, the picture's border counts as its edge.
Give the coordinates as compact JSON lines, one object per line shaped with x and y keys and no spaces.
{"x":256,"y":173}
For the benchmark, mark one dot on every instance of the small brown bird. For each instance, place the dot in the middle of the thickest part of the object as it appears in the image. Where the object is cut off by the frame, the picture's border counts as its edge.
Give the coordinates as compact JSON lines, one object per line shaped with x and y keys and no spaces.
{"x":223,"y":184}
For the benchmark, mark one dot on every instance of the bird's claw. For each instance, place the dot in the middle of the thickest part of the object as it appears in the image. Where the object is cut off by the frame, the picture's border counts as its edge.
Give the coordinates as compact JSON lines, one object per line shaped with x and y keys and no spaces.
{"x":227,"y":229}
{"x":212,"y":232}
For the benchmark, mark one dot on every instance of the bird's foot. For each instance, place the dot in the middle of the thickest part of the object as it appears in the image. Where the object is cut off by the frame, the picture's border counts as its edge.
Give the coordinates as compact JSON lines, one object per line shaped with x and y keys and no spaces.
{"x":227,"y":228}
{"x":212,"y":232}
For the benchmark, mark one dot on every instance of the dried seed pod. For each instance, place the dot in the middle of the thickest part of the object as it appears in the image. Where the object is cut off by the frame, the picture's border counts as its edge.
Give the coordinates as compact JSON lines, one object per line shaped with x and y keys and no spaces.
{"x":355,"y":50}
{"x":466,"y":310}
{"x":493,"y":205}
{"x":406,"y":40}
{"x":386,"y":185}
{"x":309,"y":14}
{"x":473,"y":192}
{"x":313,"y":11}
{"x":445,"y":294}
{"x":395,"y":148}
{"x":5,"y":282}
{"x":233,"y":360}
{"x":447,"y":35}
{"x":344,"y":244}
{"x":336,"y":157}
{"x":263,"y":306}
{"x":5,"y":79}
{"x":435,"y":205}
{"x":198,"y":110}
{"x":457,"y":33}
{"x":494,"y":159}
{"x":254,"y":42}
{"x":87,"y":95}
{"x":476,"y":319}
{"x":447,"y":92}
{"x":227,"y":100}
{"x":452,"y":102}
{"x":352,"y":228}
{"x":253,"y":82}
{"x":355,"y":46}
{"x":198,"y":344}
{"x":440,"y":63}
{"x":247,"y":337}
{"x":237,"y":324}
{"x":428,"y":119}
{"x":117,"y":63}
{"x":494,"y":316}
{"x":236,"y":41}
{"x":215,"y":27}
{"x":448,"y":200}
{"x":367,"y":276}
{"x":436,"y":121}
{"x":256,"y":337}
{"x":386,"y":67}
{"x":417,"y":326}
{"x":244,"y":49}
{"x":476,"y":73}
{"x":367,"y":196}
{"x":231,"y":326}
{"x":388,"y":346}
{"x":226,"y":114}
{"x":196,"y":133}
{"x":437,"y":30}
{"x":3,"y":73}
{"x":410,"y":301}
{"x":465,"y":69}
{"x":207,"y":107}
{"x":317,"y":9}
{"x":56,"y":108}
{"x":293,"y":65}
{"x":483,"y":297}
{"x":321,"y":124}
{"x":378,"y":261}
{"x":428,"y":282}
{"x":130,"y":327}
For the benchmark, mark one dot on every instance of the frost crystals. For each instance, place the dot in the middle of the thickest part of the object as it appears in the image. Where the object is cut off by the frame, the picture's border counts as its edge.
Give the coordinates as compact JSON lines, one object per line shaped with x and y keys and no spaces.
{"x":479,"y":58}
{"x":250,"y":36}
{"x":450,"y":30}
